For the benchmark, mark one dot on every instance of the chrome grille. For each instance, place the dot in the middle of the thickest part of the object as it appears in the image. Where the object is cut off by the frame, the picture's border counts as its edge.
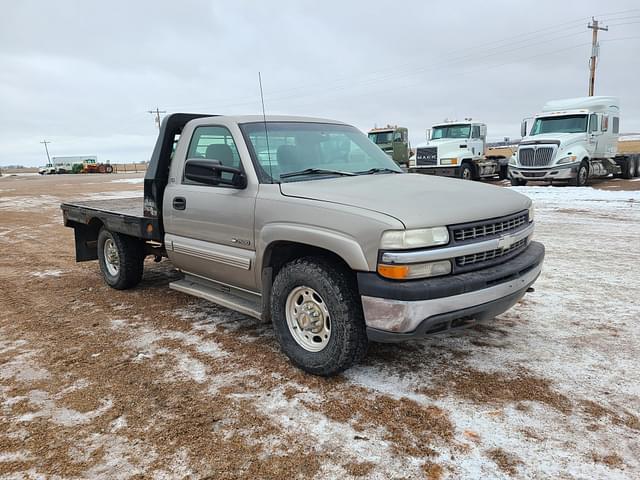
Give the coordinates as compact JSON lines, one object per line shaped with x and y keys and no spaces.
{"x":535,"y":157}
{"x":490,"y":228}
{"x":490,"y":254}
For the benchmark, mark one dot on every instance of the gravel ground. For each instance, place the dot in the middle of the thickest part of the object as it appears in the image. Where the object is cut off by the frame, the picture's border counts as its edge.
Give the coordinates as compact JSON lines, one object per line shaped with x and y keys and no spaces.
{"x":151,"y":383}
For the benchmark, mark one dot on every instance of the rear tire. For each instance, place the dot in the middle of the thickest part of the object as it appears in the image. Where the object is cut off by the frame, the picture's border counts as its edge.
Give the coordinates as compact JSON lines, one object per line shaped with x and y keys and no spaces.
{"x":315,"y":290}
{"x":121,"y":259}
{"x":582,"y":176}
{"x":503,"y":172}
{"x":518,"y":182}
{"x":629,"y":169}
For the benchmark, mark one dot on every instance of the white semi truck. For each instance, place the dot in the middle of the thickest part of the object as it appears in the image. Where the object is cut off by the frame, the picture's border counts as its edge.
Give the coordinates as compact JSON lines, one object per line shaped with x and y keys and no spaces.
{"x":458,"y":149}
{"x":572,"y":140}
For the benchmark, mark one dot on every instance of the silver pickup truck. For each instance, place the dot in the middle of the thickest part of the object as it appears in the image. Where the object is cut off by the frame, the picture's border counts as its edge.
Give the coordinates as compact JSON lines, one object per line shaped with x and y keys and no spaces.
{"x":306,"y":223}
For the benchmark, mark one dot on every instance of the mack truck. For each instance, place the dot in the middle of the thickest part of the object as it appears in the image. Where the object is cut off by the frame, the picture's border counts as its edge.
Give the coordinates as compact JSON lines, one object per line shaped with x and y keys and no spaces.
{"x":394,"y":141}
{"x":458,"y":149}
{"x":304,"y":223}
{"x":573,"y":140}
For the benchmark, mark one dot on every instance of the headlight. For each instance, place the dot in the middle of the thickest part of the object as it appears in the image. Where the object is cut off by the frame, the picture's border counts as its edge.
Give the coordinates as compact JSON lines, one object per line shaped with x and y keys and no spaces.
{"x":415,"y":270}
{"x":512,"y":160}
{"x":448,"y":161}
{"x":569,"y":159}
{"x":418,"y":238}
{"x":531,"y":212}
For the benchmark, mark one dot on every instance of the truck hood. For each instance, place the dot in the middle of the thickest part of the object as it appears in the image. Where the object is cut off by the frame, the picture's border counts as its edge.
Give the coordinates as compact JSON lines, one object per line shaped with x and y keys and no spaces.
{"x":447,"y":147}
{"x":415,"y":200}
{"x":565,"y":139}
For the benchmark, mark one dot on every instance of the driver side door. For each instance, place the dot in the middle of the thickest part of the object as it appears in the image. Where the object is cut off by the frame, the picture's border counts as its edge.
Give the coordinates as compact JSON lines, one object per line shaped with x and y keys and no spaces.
{"x":210,"y":228}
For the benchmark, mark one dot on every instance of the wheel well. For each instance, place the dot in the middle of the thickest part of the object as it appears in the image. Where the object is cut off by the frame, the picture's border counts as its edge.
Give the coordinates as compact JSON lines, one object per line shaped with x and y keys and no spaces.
{"x":280,"y":253}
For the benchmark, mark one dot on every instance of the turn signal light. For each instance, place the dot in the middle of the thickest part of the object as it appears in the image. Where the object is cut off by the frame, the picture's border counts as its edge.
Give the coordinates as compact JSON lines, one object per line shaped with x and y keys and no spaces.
{"x":395,"y":272}
{"x":414,"y":270}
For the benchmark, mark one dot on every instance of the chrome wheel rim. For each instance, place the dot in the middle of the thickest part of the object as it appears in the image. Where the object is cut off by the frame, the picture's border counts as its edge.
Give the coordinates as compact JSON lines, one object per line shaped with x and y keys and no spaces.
{"x":111,"y":257}
{"x":308,"y":319}
{"x":466,"y":174}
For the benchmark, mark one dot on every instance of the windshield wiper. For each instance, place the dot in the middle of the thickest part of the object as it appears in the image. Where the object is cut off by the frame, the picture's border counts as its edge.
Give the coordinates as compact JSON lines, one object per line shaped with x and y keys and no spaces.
{"x":316,"y":171}
{"x":378,"y":170}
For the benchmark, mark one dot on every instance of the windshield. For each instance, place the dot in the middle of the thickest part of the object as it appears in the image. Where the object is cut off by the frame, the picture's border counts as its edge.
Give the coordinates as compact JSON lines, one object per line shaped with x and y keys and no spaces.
{"x":381,"y":137}
{"x":451,"y":131}
{"x":564,"y":124}
{"x":296,"y":146}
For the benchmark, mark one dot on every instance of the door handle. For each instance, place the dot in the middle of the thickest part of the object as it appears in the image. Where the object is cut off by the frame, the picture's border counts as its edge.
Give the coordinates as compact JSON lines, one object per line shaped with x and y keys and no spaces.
{"x":179,"y":203}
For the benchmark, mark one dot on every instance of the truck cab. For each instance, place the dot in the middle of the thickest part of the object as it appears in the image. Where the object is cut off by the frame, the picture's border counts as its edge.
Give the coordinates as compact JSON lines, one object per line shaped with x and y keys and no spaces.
{"x":571,"y":140}
{"x":305,"y":223}
{"x":456,"y":149}
{"x":394,"y":141}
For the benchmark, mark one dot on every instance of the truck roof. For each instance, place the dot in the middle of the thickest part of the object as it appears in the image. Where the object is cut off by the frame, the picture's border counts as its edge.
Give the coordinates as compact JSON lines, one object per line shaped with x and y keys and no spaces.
{"x":388,"y":128}
{"x":599,"y":103}
{"x":269,"y":118}
{"x":464,"y":122}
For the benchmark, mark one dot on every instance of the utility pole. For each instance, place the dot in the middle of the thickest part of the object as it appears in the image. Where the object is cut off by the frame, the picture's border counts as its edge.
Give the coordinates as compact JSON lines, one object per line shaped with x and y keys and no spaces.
{"x":595,"y":49}
{"x":47,"y":150}
{"x":157,"y":113}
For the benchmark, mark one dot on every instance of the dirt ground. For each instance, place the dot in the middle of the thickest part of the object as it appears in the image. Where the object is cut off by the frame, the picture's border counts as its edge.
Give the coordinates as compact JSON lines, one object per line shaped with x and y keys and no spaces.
{"x":151,"y":383}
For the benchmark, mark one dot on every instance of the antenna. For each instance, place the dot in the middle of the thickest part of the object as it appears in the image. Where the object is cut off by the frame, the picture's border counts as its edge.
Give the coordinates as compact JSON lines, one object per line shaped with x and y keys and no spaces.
{"x":266,"y":133}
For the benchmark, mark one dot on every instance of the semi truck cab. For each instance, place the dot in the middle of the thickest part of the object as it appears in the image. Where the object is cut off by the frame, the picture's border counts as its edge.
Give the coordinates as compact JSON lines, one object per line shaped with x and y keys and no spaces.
{"x":572,"y":140}
{"x":457,"y":149}
{"x":394,"y":141}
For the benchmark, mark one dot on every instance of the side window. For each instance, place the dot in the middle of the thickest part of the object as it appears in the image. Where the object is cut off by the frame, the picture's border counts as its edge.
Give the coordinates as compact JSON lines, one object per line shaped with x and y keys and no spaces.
{"x":397,"y":136}
{"x":615,"y":128}
{"x":475,"y":133}
{"x":605,"y":123}
{"x":593,"y":123}
{"x":214,"y":143}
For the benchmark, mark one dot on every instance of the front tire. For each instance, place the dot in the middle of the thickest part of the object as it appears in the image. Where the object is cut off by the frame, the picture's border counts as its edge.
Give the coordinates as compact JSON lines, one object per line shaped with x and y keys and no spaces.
{"x":582,"y":177}
{"x":121,"y":259}
{"x":317,"y":316}
{"x":518,"y":182}
{"x":466,"y":172}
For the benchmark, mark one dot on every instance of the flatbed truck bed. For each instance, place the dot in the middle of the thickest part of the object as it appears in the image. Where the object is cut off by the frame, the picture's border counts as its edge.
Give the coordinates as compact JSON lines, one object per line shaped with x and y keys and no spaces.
{"x":121,"y":215}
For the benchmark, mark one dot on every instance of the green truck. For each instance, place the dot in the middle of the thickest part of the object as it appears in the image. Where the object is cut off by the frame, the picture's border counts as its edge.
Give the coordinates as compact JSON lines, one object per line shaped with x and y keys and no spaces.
{"x":394,"y":141}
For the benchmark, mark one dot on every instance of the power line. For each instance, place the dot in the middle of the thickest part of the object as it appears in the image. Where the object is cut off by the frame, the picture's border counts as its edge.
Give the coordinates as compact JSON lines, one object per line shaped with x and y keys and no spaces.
{"x":408,"y":69}
{"x":157,"y":113}
{"x":45,"y":142}
{"x":595,"y":47}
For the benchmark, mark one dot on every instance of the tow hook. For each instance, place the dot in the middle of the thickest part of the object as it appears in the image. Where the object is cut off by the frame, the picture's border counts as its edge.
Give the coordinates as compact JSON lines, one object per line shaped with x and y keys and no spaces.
{"x":157,"y":258}
{"x":531,"y":290}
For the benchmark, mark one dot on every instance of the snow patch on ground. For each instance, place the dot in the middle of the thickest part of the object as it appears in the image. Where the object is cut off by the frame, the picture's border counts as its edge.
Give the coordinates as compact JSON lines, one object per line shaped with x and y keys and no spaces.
{"x":47,"y":273}
{"x":113,"y":195}
{"x":129,"y":180}
{"x":33,"y":202}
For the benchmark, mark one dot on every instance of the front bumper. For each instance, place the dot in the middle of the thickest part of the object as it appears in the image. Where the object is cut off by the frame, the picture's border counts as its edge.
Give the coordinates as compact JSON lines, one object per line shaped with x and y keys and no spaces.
{"x":396,"y":311}
{"x":448,"y":171}
{"x":556,"y":172}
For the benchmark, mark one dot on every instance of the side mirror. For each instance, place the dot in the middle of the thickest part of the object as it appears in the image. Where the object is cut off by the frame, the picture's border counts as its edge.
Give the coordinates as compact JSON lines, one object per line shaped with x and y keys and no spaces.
{"x":483,"y":131}
{"x":428,"y":134}
{"x":209,"y":172}
{"x":523,"y":128}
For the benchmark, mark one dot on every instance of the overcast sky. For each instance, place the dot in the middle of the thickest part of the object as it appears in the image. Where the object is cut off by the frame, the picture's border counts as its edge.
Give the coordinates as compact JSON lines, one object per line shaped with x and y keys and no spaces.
{"x":83,"y":74}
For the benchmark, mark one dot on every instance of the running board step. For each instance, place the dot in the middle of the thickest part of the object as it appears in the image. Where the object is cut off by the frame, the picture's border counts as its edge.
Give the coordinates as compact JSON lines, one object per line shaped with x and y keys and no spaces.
{"x":224,"y":299}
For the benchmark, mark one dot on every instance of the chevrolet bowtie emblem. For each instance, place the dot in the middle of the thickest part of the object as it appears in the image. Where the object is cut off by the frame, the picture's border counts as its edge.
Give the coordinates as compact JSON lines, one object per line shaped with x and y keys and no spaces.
{"x":505,"y":242}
